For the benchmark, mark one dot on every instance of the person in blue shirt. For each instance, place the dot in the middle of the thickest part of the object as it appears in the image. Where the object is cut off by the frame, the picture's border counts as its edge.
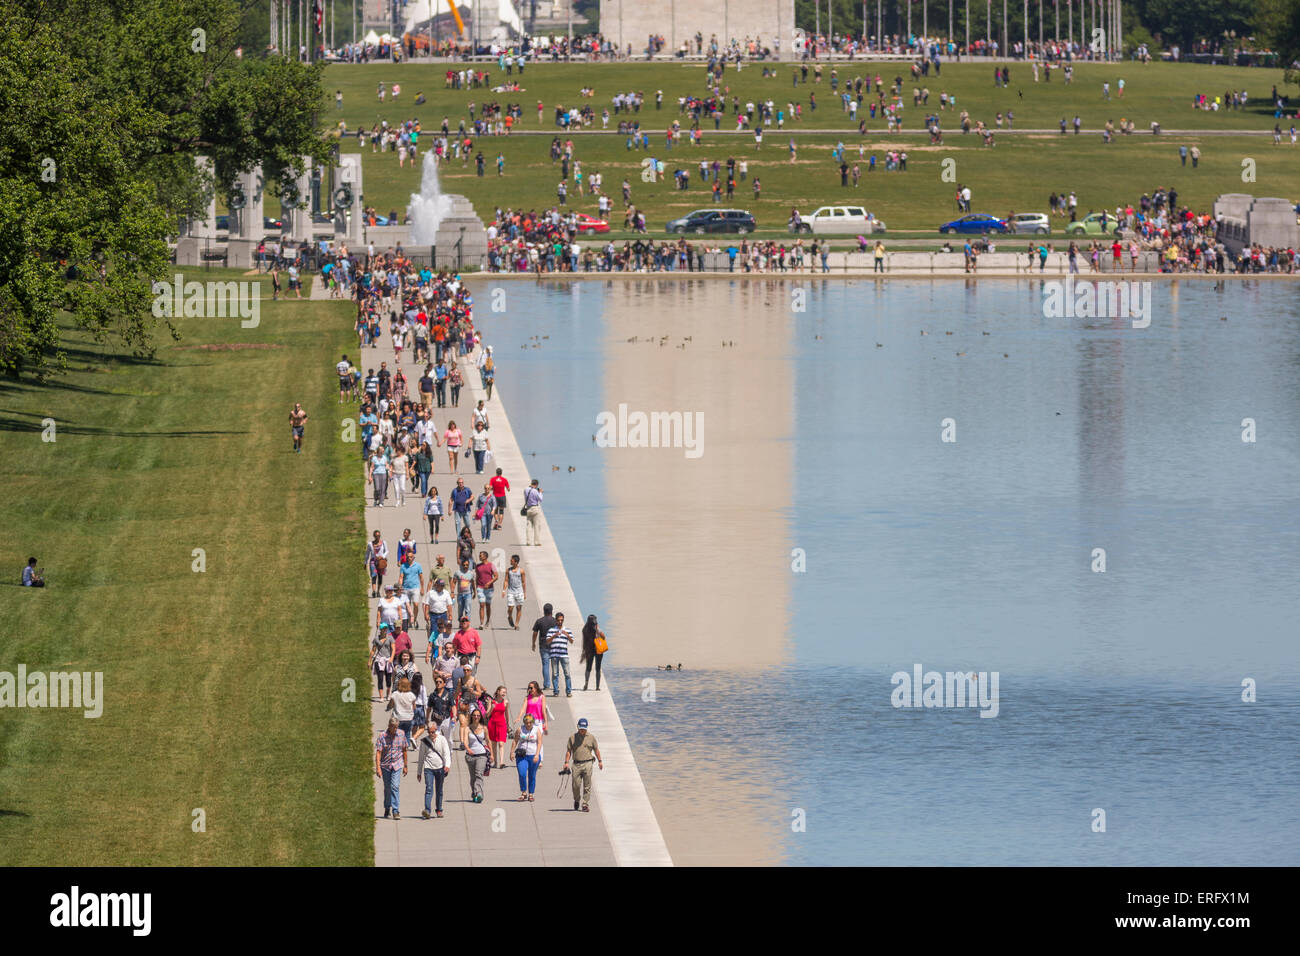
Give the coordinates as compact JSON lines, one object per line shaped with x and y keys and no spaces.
{"x":461,"y":498}
{"x":369,"y":421}
{"x":732,"y":252}
{"x":31,"y":576}
{"x":412,"y":582}
{"x":440,"y":383}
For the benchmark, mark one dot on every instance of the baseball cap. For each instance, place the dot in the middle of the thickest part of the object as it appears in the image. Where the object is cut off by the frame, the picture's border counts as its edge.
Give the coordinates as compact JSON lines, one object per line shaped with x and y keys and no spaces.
{"x":583,"y":723}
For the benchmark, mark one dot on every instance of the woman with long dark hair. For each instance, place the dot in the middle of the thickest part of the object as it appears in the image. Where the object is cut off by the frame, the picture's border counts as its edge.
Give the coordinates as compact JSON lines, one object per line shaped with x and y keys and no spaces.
{"x":594,"y":645}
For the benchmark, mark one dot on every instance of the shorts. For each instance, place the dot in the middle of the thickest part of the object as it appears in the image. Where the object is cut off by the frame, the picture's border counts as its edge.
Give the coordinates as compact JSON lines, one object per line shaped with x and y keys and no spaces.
{"x":297,"y":431}
{"x":515,"y":597}
{"x":345,"y":384}
{"x":501,"y":506}
{"x":485,"y":595}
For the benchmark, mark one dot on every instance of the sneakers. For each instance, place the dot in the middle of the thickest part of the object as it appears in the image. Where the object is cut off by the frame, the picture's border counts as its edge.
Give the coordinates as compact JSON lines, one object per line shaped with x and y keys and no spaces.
{"x":396,"y":815}
{"x":575,"y":804}
{"x":387,"y":814}
{"x":568,"y":693}
{"x":425,"y":814}
{"x":439,"y":814}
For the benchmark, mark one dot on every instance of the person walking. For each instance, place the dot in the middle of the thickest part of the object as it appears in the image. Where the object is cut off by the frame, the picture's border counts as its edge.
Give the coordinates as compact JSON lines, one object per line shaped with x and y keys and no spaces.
{"x":376,"y":563}
{"x":481,"y":445}
{"x":433,"y":511}
{"x":297,"y":423}
{"x":452,"y":438}
{"x":474,"y":738}
{"x":402,"y":703}
{"x":515,"y":590}
{"x":485,"y":504}
{"x":533,"y":512}
{"x":541,"y":629}
{"x":528,"y":757}
{"x":583,"y":751}
{"x":594,"y":646}
{"x":390,"y":758}
{"x":499,"y":726}
{"x":377,"y":475}
{"x":558,"y":640}
{"x":485,"y":579}
{"x":431,"y":763}
{"x":381,"y":661}
{"x":461,"y":498}
{"x":500,"y":485}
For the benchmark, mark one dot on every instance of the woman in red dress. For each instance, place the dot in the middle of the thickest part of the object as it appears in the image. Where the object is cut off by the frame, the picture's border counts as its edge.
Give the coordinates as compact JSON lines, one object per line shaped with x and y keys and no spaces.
{"x":499,"y":726}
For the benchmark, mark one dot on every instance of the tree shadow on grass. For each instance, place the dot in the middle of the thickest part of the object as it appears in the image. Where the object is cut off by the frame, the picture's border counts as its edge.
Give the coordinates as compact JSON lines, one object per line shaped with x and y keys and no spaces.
{"x":9,"y":423}
{"x":12,"y":813}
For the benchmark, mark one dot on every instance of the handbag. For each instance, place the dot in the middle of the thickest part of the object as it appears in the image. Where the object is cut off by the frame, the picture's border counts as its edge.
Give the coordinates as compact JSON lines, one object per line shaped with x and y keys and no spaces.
{"x":381,"y":565}
{"x":602,"y":645}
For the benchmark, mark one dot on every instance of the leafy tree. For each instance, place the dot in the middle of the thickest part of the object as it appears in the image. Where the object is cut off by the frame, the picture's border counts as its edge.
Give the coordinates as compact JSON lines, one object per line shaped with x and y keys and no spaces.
{"x":107,"y":103}
{"x":1277,"y":23}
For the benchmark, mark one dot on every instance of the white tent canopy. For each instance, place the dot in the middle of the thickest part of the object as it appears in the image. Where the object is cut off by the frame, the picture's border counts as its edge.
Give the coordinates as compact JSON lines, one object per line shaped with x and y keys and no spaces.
{"x":372,"y":38}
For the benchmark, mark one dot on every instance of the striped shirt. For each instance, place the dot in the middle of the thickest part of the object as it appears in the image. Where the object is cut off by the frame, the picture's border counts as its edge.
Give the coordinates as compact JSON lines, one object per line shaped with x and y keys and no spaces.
{"x":559,"y":639}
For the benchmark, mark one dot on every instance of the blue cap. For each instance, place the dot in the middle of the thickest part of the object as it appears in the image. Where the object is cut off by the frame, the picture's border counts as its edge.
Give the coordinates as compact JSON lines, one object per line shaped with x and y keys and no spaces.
{"x":583,"y":723}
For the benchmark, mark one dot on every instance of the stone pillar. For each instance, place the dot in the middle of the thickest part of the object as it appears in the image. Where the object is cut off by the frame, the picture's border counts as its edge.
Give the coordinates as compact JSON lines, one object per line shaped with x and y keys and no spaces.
{"x":347,"y":216}
{"x":198,"y":235}
{"x":296,"y":210}
{"x":246,"y":229}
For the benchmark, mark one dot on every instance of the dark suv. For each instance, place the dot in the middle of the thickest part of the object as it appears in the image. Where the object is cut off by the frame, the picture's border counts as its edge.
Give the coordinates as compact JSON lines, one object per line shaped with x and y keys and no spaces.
{"x":714,"y":220}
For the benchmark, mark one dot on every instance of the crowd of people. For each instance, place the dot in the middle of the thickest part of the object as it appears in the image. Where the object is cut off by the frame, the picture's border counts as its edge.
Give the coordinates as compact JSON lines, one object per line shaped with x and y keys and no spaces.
{"x":438,"y":700}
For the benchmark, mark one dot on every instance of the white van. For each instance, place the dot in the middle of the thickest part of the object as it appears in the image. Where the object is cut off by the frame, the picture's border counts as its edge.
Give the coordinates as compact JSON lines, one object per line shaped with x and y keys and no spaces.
{"x":841,"y":220}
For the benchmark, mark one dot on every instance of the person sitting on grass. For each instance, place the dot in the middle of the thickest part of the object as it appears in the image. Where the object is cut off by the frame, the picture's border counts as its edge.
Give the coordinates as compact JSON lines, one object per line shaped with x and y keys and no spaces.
{"x":32,"y":577}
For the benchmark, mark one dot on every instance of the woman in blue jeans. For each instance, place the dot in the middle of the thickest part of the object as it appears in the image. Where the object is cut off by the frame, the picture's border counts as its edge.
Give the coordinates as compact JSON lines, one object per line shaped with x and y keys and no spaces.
{"x":528,"y":756}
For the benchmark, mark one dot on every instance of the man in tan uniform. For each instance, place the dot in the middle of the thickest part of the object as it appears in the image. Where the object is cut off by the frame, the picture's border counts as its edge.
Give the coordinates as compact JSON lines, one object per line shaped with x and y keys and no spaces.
{"x":583,"y":750}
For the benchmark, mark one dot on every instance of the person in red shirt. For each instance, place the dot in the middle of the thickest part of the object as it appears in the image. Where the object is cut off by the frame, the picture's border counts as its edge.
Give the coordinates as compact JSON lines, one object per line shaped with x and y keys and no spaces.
{"x":1117,"y":253}
{"x":500,"y":485}
{"x":466,"y":641}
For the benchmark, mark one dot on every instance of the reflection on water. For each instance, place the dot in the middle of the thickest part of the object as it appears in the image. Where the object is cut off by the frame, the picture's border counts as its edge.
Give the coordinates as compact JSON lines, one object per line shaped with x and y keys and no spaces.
{"x":1120,"y":690}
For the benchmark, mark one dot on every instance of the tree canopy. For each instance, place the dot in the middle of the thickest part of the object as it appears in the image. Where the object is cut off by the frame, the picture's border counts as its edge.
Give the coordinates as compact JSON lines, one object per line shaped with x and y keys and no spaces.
{"x":107,"y":103}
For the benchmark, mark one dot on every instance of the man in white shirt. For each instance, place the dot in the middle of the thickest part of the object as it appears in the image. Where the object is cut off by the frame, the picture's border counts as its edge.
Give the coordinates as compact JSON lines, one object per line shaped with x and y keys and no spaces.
{"x":431,"y":764}
{"x":437,"y":608}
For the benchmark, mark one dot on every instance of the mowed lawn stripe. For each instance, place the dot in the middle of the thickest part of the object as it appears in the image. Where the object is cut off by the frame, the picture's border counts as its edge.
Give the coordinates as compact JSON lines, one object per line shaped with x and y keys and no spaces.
{"x":223,"y":689}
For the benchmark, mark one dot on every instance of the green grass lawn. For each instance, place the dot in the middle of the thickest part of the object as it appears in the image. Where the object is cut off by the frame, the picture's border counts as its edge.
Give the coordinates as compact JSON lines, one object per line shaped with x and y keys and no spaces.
{"x":222,"y":688}
{"x":1017,"y":174}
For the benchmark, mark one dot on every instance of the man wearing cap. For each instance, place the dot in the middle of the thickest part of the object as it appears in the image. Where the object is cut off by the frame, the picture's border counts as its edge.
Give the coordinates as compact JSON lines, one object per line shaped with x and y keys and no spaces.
{"x":583,"y":750}
{"x":466,"y":641}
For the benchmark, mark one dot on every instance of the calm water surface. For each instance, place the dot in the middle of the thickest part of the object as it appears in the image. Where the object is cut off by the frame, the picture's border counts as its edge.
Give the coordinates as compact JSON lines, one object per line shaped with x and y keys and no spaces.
{"x":1119,"y":690}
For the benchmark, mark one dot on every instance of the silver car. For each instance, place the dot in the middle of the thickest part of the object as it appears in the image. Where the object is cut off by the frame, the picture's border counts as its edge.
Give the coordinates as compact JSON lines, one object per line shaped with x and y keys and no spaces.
{"x":1033,"y":223}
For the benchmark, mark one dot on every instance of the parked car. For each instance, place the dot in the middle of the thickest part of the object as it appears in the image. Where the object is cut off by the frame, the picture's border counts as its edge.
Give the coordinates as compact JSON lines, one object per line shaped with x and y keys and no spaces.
{"x":1033,"y":223}
{"x":974,"y":223}
{"x":587,"y":225}
{"x":840,"y":220}
{"x":714,"y":220}
{"x":269,"y":223}
{"x":1096,"y":224}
